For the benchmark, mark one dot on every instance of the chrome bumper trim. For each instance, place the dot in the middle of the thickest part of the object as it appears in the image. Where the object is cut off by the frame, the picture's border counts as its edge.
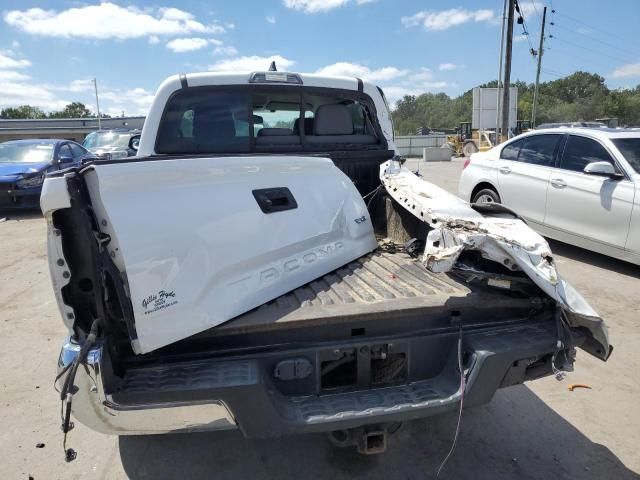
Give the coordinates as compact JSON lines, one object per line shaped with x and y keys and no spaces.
{"x":93,"y":408}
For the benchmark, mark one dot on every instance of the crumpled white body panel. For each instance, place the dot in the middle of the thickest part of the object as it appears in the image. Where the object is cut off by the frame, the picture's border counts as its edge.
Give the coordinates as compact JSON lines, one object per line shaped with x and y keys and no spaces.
{"x":509,"y":241}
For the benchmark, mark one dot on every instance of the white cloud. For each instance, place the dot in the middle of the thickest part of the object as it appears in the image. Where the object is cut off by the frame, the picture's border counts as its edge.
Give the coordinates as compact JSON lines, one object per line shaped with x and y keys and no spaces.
{"x":444,"y":19}
{"x":180,"y":45}
{"x":447,"y":67}
{"x":520,"y":38}
{"x":108,"y":20}
{"x":315,"y":6}
{"x":270,"y":19}
{"x":17,"y":92}
{"x":424,"y":75}
{"x":12,"y":76}
{"x":7,"y":60}
{"x":153,"y":40}
{"x":20,"y":89}
{"x":250,"y":63}
{"x":347,"y":69}
{"x":530,"y":9}
{"x":396,"y":92}
{"x":394,"y":81}
{"x":133,"y":101}
{"x":626,"y":71}
{"x":227,"y":51}
{"x":76,"y":86}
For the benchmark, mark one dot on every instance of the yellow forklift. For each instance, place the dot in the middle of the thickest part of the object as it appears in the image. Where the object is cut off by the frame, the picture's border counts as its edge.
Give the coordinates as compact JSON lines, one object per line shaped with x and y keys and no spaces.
{"x":468,"y":141}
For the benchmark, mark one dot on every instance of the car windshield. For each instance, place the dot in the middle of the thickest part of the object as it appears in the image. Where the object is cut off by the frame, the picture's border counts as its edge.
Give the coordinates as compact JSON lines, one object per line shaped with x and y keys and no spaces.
{"x":630,"y":149}
{"x":26,"y":152}
{"x":107,"y":140}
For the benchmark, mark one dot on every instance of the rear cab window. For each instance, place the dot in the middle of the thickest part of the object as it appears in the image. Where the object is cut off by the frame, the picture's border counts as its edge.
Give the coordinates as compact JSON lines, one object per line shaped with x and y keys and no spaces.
{"x":259,"y":118}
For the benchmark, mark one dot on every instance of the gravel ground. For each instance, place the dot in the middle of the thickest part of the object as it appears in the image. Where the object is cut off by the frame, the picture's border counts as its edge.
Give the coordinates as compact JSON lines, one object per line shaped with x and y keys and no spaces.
{"x":540,"y":430}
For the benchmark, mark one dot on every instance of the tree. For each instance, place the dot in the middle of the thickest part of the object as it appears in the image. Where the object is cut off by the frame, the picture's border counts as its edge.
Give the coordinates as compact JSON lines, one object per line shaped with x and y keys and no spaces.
{"x":23,"y":111}
{"x":581,"y":96}
{"x":73,"y":110}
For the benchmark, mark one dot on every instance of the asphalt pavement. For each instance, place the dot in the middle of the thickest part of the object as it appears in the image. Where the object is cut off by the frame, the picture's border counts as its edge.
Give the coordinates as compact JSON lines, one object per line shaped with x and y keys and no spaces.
{"x":535,"y":431}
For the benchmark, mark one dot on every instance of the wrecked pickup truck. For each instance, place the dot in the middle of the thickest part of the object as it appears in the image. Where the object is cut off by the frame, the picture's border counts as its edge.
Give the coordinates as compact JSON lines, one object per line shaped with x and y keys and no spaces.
{"x":267,"y":263}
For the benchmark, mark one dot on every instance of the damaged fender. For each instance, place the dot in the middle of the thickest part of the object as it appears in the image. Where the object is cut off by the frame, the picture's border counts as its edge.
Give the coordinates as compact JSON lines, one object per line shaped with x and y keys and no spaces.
{"x":456,"y":227}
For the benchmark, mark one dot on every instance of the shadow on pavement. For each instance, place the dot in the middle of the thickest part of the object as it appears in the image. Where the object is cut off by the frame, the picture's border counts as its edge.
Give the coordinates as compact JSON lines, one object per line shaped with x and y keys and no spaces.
{"x":594,"y":259}
{"x":516,"y":436}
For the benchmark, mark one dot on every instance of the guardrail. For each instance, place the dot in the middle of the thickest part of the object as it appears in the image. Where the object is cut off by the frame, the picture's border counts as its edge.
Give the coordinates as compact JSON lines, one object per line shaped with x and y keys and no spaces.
{"x":412,"y":145}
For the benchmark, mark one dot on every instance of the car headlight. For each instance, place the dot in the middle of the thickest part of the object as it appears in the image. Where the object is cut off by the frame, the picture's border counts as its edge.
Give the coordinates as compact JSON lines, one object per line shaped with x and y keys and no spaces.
{"x":34,"y":181}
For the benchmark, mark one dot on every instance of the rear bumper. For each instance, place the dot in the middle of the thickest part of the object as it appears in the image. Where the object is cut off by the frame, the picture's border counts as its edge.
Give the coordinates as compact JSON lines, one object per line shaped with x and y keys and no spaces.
{"x":220,"y":394}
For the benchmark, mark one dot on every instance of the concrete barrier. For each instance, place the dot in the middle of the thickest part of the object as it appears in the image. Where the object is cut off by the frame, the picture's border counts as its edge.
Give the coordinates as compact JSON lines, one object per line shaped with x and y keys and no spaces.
{"x":436,"y":154}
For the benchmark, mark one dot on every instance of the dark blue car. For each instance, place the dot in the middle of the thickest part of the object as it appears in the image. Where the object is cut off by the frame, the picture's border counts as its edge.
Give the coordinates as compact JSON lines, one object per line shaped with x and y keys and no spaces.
{"x":24,"y":164}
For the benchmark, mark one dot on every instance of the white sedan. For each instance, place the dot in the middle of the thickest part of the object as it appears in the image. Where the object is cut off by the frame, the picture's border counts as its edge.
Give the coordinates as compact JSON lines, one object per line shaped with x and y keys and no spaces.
{"x":577,"y":185}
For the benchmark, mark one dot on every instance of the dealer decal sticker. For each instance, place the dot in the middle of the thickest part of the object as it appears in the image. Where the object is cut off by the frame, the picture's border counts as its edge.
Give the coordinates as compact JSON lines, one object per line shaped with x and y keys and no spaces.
{"x":159,"y":301}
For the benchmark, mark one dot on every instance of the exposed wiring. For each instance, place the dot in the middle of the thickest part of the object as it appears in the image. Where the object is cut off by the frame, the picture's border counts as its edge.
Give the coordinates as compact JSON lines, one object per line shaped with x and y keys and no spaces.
{"x":463,"y":386}
{"x":565,"y":341}
{"x":373,"y":194}
{"x":67,"y":391}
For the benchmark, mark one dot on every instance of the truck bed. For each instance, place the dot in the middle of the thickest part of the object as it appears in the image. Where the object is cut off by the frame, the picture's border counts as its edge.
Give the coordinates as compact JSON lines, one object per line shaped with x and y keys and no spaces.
{"x":385,"y":285}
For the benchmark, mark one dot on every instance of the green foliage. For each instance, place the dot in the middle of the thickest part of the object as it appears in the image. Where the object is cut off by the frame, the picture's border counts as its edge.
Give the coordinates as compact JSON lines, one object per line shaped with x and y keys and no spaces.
{"x":23,"y":111}
{"x":581,"y":96}
{"x":72,"y":110}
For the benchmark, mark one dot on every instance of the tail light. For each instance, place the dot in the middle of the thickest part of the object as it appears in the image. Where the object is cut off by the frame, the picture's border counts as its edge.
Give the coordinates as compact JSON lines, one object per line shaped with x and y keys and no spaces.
{"x":466,"y":163}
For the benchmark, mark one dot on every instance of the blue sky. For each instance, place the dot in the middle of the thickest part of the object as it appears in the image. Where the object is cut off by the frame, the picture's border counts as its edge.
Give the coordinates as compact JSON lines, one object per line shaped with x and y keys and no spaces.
{"x":50,"y":50}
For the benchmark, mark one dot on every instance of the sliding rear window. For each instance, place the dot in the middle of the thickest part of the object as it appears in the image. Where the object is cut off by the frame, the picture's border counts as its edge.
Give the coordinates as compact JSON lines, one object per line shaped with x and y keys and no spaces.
{"x":200,"y":121}
{"x":267,"y":119}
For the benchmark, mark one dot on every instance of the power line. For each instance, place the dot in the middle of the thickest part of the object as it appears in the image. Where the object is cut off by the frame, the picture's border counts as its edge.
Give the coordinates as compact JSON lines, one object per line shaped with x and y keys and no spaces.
{"x":588,"y":49}
{"x":572,"y":55}
{"x":554,"y":73}
{"x":525,"y":30}
{"x":535,"y":9}
{"x":589,"y":26}
{"x":596,"y":40}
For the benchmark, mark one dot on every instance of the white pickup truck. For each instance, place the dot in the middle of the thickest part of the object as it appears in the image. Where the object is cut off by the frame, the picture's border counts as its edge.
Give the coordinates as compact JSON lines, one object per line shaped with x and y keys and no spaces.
{"x":231,"y":276}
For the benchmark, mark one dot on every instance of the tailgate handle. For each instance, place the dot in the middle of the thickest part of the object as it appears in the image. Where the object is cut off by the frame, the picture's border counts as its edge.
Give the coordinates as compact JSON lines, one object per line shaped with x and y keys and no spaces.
{"x":277,"y":199}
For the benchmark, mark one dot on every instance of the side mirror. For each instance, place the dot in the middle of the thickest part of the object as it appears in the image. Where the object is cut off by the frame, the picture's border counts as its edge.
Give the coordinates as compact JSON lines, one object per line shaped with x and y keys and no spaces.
{"x":603,"y":169}
{"x":65,"y":159}
{"x":134,"y":143}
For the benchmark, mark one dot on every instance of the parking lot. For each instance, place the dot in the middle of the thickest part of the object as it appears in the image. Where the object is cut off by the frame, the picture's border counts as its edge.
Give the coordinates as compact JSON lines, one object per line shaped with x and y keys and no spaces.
{"x":539,"y":430}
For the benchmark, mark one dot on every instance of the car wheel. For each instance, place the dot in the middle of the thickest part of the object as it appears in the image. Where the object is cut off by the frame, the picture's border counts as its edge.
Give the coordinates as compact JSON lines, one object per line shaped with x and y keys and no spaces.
{"x":486,"y":195}
{"x":469,"y":148}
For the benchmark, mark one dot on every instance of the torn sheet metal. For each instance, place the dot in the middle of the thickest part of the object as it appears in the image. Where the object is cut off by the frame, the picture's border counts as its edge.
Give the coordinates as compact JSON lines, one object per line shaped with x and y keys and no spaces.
{"x":456,"y":226}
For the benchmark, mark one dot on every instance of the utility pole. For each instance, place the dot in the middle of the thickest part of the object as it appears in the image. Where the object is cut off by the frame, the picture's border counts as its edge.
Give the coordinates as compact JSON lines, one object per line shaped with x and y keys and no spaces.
{"x":504,"y":19}
{"x":95,"y":84}
{"x":540,"y":51}
{"x":507,"y":72}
